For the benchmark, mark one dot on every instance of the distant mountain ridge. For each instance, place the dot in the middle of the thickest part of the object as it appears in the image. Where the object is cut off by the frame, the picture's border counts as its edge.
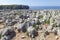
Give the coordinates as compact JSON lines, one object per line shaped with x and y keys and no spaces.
{"x":14,"y":7}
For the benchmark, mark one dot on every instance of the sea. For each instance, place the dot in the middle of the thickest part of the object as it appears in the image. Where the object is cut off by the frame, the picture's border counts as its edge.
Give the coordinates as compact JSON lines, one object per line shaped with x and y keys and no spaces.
{"x":44,"y":7}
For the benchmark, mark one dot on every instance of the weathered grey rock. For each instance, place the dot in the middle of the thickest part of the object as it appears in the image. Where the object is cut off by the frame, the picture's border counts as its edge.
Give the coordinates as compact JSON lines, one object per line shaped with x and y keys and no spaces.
{"x":32,"y":22}
{"x":8,"y":31}
{"x":46,"y":33}
{"x":58,"y":31}
{"x":36,"y":20}
{"x":40,"y":27}
{"x":1,"y":30}
{"x":49,"y":28}
{"x":21,"y":27}
{"x":13,"y":23}
{"x":32,"y":32}
{"x":5,"y":38}
{"x":55,"y":31}
{"x":4,"y":31}
{"x":8,"y":22}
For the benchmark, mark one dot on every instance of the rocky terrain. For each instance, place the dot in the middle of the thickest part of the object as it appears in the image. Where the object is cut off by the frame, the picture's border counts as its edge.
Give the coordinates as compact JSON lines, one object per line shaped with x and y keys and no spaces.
{"x":29,"y":24}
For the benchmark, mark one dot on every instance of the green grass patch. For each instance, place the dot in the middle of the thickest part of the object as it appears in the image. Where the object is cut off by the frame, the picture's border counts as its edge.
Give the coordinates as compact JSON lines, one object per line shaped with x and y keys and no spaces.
{"x":53,"y":20}
{"x":35,"y":26}
{"x":41,"y":16}
{"x":47,"y":21}
{"x":27,"y":33}
{"x":38,"y":23}
{"x":0,"y":36}
{"x":55,"y":24}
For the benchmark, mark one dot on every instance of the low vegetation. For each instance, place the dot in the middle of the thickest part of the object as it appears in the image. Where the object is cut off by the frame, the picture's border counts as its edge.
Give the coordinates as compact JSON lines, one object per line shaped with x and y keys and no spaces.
{"x":27,"y":33}
{"x":54,"y":23}
{"x":0,"y":36}
{"x":35,"y":25}
{"x":41,"y":16}
{"x":47,"y":21}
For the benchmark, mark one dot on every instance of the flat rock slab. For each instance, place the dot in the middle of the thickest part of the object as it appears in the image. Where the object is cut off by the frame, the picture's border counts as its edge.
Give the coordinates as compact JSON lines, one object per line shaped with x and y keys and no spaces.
{"x":2,"y":26}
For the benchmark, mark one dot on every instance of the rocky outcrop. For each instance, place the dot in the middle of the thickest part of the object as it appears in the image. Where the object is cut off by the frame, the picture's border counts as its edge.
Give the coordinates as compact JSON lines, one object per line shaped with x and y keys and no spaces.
{"x":14,"y":7}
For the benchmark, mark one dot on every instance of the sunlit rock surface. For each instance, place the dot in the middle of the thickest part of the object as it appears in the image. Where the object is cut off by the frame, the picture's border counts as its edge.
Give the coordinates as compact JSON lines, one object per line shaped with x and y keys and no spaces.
{"x":29,"y":24}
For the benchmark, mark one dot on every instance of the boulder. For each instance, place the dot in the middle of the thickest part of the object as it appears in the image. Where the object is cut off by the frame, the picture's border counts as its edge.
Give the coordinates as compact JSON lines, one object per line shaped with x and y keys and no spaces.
{"x":55,"y":31}
{"x":32,"y":22}
{"x":8,"y":31}
{"x":21,"y":27}
{"x":5,"y":38}
{"x":13,"y":23}
{"x":58,"y":31}
{"x":46,"y":33}
{"x":40,"y":27}
{"x":32,"y":32}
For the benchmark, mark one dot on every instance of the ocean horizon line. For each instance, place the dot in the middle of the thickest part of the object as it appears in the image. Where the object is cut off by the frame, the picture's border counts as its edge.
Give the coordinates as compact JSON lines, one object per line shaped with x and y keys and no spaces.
{"x":44,"y":7}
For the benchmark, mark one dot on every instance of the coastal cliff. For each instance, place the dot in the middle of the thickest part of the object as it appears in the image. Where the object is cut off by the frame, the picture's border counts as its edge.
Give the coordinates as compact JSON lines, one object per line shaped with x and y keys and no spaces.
{"x":14,"y":7}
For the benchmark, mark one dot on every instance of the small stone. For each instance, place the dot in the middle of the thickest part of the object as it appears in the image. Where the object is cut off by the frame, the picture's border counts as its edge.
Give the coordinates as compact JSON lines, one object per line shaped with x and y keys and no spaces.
{"x":57,"y":37}
{"x":47,"y":33}
{"x":1,"y":21}
{"x":32,"y":32}
{"x":5,"y":38}
{"x":23,"y":37}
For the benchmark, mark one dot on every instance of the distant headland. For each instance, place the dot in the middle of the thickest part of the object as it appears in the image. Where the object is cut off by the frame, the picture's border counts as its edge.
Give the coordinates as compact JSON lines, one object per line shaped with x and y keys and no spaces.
{"x":14,"y":7}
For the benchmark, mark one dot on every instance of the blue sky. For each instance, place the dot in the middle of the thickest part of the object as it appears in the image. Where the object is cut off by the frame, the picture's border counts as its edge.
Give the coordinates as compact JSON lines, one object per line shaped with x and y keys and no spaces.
{"x":32,"y":2}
